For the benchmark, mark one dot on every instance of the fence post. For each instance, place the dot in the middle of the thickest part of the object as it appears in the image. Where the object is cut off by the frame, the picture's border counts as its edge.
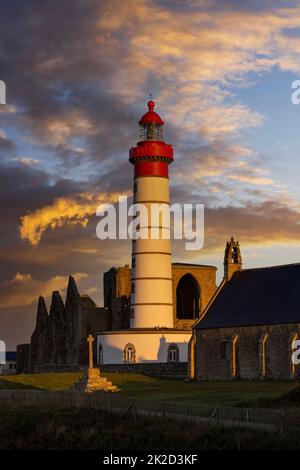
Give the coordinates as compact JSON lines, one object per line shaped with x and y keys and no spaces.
{"x":163,"y":409}
{"x":283,"y":421}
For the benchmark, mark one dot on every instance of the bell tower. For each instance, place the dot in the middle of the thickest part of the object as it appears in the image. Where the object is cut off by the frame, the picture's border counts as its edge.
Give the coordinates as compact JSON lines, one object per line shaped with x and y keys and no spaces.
{"x":232,"y":259}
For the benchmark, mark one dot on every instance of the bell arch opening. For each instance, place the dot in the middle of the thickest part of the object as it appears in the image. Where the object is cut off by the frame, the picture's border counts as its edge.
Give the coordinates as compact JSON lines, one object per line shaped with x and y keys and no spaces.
{"x":187,"y":298}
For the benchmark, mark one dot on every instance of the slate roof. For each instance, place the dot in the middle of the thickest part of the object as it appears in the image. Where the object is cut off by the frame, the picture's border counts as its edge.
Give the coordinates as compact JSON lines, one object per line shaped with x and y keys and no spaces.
{"x":260,"y":296}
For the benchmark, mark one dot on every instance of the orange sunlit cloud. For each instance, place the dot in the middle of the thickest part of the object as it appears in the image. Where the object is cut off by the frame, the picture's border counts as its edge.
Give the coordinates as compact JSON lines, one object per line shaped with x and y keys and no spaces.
{"x":63,"y":211}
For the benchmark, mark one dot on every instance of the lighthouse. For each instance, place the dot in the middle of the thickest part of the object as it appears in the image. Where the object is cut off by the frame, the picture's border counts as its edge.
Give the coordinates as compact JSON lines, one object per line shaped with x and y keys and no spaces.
{"x":151,"y":275}
{"x":151,"y":337}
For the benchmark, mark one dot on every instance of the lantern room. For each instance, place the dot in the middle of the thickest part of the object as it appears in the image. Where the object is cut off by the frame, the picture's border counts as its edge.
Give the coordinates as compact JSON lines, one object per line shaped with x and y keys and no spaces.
{"x":151,"y":124}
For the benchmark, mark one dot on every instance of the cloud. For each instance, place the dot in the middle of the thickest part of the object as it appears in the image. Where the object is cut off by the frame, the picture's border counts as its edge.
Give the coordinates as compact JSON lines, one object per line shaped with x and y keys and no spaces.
{"x":89,"y":78}
{"x":27,"y":161}
{"x":74,"y":101}
{"x":6,"y":144}
{"x":257,"y":180}
{"x":263,"y":224}
{"x":23,"y":289}
{"x":221,"y":121}
{"x":63,"y":211}
{"x":258,"y":226}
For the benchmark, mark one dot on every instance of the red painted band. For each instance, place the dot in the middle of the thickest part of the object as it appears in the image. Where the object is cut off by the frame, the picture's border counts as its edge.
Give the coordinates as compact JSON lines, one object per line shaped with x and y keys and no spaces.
{"x":151,"y":168}
{"x":151,"y":148}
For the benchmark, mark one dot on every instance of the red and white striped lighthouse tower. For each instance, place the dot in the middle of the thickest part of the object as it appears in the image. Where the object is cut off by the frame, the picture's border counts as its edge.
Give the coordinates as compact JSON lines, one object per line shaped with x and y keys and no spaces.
{"x":151,"y":298}
{"x":152,"y":337}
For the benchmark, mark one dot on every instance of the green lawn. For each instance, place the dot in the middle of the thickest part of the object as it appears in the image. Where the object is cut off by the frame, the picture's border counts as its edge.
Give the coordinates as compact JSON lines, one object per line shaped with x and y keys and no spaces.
{"x":153,"y":388}
{"x":60,"y":381}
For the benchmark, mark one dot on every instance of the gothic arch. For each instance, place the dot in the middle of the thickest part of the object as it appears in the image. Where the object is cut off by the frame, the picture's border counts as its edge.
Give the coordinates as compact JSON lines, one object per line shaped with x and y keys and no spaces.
{"x":173,"y":353}
{"x":187,"y":298}
{"x":129,"y":353}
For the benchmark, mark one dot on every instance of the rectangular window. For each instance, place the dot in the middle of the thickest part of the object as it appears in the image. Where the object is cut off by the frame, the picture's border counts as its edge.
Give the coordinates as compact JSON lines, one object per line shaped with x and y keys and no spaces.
{"x":173,"y":355}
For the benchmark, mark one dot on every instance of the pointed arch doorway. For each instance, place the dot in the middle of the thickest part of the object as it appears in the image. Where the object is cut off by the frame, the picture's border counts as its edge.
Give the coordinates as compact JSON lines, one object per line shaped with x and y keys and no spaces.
{"x":187,"y":298}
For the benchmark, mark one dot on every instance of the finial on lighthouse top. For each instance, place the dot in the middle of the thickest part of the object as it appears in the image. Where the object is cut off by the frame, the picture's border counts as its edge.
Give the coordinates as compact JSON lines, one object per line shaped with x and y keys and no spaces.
{"x":151,"y":117}
{"x":151,"y":105}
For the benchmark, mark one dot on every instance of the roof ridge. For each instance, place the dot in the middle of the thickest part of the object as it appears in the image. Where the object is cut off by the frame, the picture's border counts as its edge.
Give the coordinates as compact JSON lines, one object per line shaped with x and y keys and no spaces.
{"x":270,"y":267}
{"x":193,"y":264}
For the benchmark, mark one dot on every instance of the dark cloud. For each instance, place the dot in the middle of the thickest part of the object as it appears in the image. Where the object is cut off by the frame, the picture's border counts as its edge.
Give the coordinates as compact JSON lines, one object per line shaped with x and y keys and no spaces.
{"x":23,"y":189}
{"x":256,"y":224}
{"x":6,"y":144}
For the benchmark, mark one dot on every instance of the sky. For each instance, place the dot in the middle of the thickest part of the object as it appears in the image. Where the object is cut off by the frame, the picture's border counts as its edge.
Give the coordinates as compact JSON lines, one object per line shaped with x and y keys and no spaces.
{"x":78,"y":76}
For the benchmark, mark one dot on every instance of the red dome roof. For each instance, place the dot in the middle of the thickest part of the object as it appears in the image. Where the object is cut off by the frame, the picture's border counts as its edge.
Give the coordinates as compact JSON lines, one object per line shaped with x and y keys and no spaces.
{"x":151,"y":117}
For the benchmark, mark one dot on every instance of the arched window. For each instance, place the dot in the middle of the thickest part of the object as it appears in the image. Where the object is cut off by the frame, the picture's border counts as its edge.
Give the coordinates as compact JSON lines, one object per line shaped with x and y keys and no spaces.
{"x":129,"y":353}
{"x":173,"y":353}
{"x":100,"y":354}
{"x":187,"y":298}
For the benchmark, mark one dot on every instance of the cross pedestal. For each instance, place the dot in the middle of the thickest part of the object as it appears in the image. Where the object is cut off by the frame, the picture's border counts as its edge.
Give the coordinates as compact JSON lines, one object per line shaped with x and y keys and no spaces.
{"x":93,"y":382}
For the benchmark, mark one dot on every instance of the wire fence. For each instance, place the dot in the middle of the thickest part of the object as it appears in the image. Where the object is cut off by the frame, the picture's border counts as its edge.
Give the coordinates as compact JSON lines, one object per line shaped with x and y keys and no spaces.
{"x":257,"y":418}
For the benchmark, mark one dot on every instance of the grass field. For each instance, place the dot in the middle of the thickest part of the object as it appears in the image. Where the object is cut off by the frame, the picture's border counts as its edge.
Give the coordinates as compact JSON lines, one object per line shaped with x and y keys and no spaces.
{"x":237,"y":393}
{"x":93,"y":429}
{"x":62,"y":381}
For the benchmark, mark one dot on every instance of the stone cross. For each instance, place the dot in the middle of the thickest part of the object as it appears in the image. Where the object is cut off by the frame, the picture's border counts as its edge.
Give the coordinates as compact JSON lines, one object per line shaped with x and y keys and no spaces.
{"x":90,"y":340}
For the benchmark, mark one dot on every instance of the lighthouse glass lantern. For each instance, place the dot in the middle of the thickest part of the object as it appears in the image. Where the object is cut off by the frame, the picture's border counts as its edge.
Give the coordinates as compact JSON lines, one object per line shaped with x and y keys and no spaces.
{"x":151,"y":131}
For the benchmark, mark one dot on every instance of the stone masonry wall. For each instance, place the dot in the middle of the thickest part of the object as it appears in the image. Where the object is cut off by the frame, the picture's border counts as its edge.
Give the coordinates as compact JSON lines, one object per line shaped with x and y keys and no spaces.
{"x":22,"y":358}
{"x":117,"y":288}
{"x":168,"y":369}
{"x":206,"y":278}
{"x":258,"y":352}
